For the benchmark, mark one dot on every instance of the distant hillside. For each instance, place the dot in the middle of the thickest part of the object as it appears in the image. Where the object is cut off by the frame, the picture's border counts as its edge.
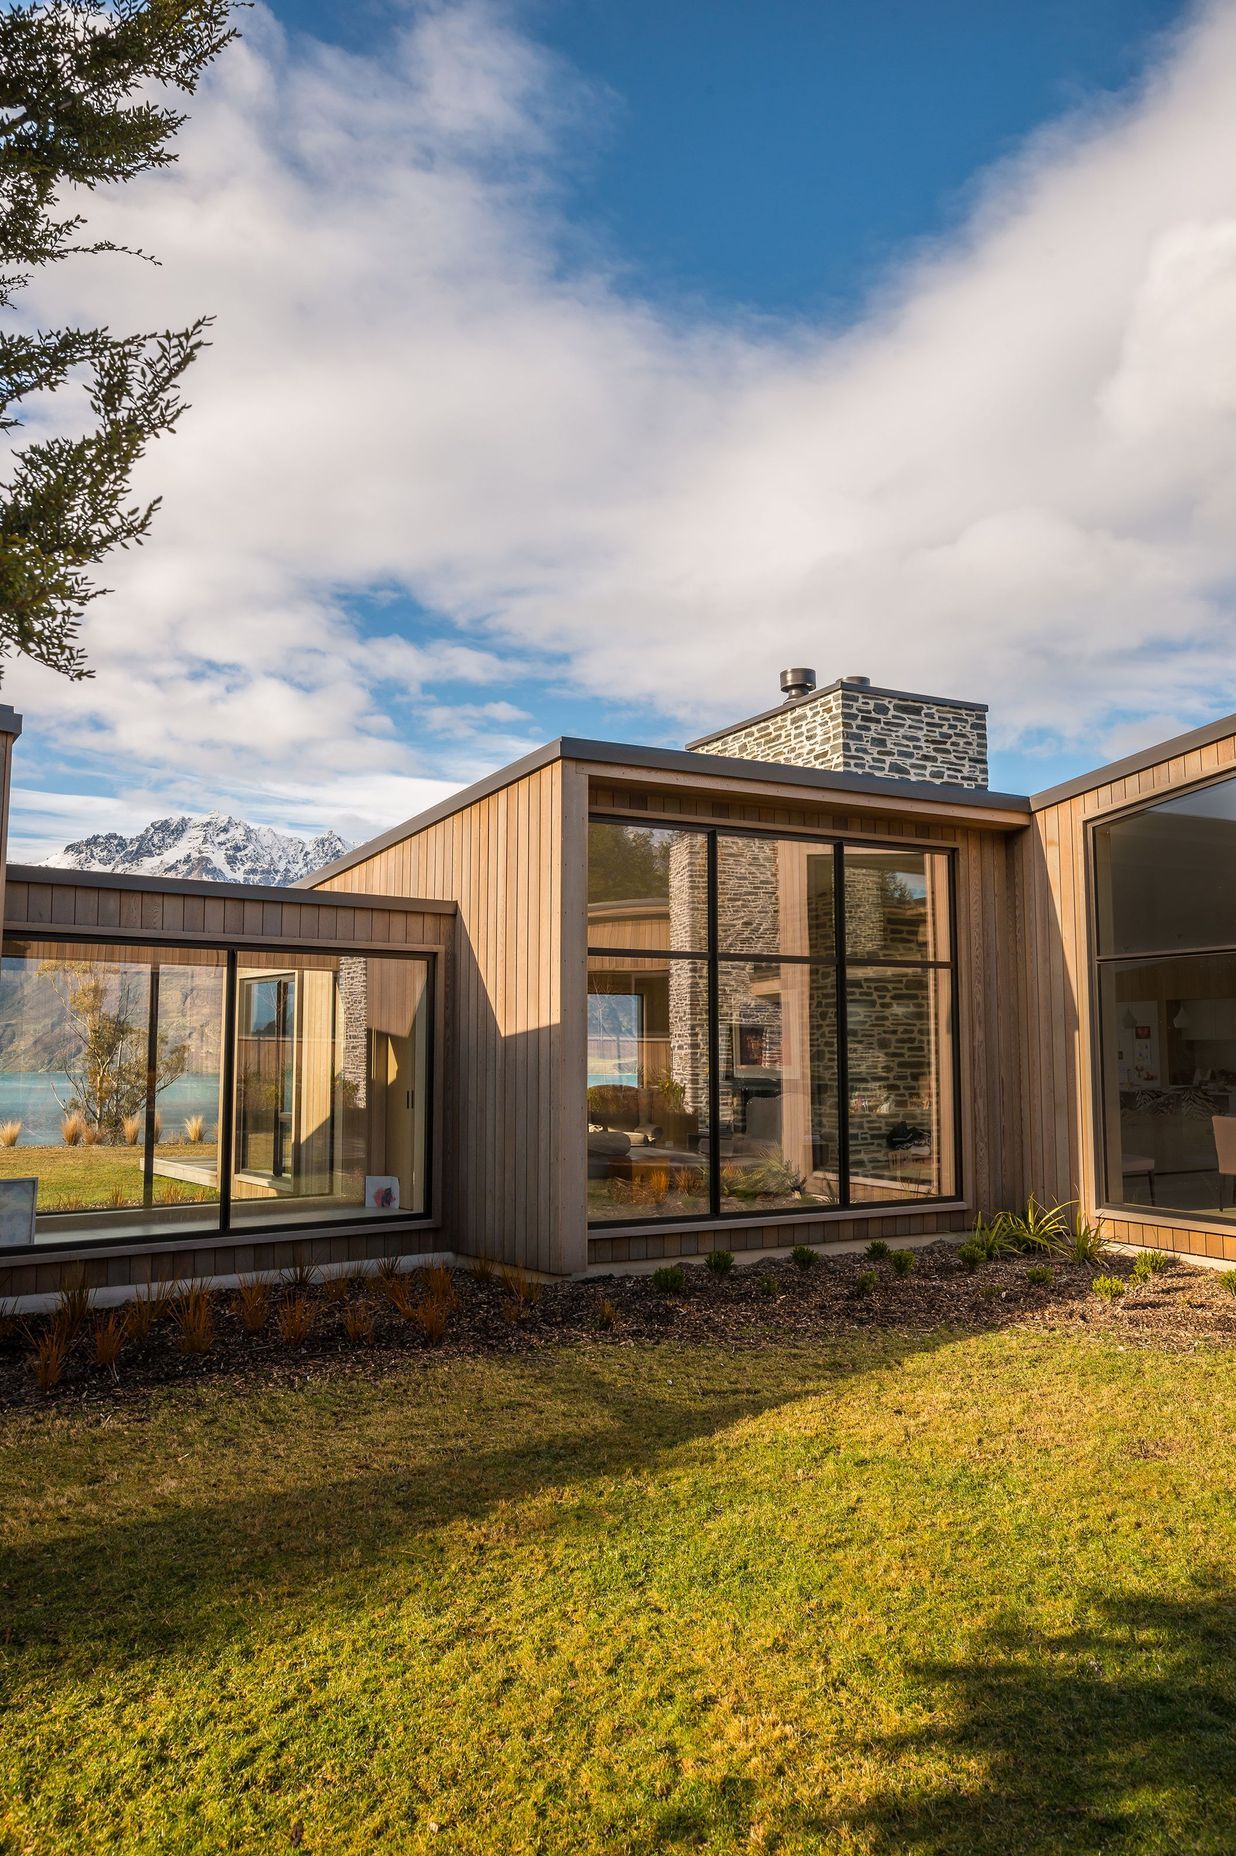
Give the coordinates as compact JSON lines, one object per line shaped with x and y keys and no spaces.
{"x":215,"y":849}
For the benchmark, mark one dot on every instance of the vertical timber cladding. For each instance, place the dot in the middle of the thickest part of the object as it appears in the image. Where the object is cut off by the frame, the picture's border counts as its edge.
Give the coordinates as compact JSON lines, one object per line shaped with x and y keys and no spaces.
{"x":1060,"y":1146}
{"x":990,"y":1058}
{"x":514,"y":1159}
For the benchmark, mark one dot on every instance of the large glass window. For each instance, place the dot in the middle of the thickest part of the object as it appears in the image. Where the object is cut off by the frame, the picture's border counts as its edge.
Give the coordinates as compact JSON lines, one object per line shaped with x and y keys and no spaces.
{"x":746,"y":1062}
{"x":126,"y":1108}
{"x":1166,"y":884}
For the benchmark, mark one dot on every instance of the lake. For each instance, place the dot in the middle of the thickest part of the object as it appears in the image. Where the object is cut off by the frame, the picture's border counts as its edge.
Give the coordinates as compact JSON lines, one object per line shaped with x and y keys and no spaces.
{"x":29,"y":1096}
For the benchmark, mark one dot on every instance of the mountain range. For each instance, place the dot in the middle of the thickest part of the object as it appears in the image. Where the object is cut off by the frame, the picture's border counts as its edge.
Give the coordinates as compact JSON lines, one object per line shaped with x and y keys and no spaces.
{"x":216,"y":849}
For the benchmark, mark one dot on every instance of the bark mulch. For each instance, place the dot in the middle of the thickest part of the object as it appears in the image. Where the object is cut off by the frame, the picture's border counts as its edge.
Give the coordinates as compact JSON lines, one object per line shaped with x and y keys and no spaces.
{"x":757,"y":1305}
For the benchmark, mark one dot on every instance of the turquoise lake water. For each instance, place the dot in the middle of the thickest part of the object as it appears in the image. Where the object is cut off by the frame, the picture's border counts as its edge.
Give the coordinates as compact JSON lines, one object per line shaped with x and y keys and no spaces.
{"x":30,"y":1097}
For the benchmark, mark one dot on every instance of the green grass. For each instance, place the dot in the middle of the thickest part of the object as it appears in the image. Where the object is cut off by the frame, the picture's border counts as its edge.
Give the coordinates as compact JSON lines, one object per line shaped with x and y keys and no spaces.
{"x":966,"y":1594}
{"x":75,"y":1178}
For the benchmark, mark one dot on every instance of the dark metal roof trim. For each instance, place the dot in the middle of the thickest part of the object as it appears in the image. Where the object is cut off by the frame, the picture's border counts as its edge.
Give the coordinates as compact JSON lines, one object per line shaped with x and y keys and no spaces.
{"x":10,"y":721}
{"x":676,"y":760}
{"x":227,"y":892}
{"x":1135,"y":763}
{"x":867,"y":689}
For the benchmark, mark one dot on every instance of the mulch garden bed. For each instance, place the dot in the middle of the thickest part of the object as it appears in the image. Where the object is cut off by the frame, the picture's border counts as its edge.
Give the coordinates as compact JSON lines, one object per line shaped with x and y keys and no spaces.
{"x":759,"y":1304}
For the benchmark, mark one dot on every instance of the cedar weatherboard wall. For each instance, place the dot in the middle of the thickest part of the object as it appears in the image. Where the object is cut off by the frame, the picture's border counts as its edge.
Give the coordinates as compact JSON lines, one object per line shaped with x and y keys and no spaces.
{"x":1061,"y":1145}
{"x":114,"y":912}
{"x":515,"y":861}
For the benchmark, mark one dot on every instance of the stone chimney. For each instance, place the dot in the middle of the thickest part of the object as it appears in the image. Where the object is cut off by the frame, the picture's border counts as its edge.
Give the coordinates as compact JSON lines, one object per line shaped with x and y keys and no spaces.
{"x":851,"y":727}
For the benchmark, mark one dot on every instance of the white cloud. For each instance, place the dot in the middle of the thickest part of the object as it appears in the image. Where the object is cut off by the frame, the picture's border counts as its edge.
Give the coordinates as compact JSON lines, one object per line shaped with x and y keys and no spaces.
{"x":1013,"y":478}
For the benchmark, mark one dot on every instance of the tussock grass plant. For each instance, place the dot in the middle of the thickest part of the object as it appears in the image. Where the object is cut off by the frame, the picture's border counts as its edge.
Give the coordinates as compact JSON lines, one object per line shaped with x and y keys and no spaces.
{"x":300,"y":1274}
{"x":8,"y":1322}
{"x":440,"y":1282}
{"x":252,"y":1304}
{"x":139,"y":1316}
{"x":295,"y":1320}
{"x":73,"y":1305}
{"x":522,"y":1288}
{"x":358,"y":1322}
{"x":388,"y":1271}
{"x":336,"y":1288}
{"x":483,"y":1268}
{"x":1108,"y":1288}
{"x":804,"y":1256}
{"x":9,"y":1133}
{"x":91,"y":1135}
{"x":195,"y":1129}
{"x":605,"y":1315}
{"x":904,"y":1262}
{"x":73,"y":1129}
{"x":720,"y":1262}
{"x":108,"y":1340}
{"x":669,"y":1279}
{"x":194,"y":1315}
{"x":131,"y":1129}
{"x":430,"y":1314}
{"x":51,"y":1351}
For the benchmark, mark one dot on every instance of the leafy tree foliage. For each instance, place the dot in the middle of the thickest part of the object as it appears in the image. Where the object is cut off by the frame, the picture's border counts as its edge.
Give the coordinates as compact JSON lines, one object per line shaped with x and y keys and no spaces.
{"x":76,"y":112}
{"x":107,"y":1053}
{"x":626,"y":864}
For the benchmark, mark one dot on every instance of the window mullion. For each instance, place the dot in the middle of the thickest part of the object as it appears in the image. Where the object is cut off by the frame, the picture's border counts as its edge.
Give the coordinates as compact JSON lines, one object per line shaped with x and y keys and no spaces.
{"x":843,"y":1061}
{"x":714,"y":1035}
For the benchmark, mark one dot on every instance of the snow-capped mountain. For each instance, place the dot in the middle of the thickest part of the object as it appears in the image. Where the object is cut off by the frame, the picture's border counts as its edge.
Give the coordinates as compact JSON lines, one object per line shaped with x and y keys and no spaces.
{"x":218,"y":849}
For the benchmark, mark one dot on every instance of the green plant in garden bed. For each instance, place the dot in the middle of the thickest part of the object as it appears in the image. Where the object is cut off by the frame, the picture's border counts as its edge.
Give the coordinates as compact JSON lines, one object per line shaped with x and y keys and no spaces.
{"x":720,"y":1262}
{"x":1108,"y":1288}
{"x":670,"y":1278}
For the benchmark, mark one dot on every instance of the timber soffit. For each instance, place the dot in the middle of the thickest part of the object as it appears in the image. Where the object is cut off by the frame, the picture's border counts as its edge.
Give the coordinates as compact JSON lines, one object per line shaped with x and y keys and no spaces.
{"x":1135,"y":763}
{"x":618,"y":755}
{"x":225,"y":892}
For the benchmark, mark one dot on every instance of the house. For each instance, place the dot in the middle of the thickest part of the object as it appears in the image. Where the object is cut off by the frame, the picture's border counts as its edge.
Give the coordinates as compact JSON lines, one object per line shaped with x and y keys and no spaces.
{"x":807,"y":980}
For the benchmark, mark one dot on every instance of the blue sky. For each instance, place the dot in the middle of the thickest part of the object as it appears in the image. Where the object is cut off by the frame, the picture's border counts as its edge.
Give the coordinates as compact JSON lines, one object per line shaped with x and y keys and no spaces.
{"x":578,"y":364}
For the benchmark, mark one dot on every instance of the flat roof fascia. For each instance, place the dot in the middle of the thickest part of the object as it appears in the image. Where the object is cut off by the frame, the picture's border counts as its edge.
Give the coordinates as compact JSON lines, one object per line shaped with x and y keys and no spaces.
{"x":226,"y":892}
{"x":830,"y":689}
{"x":1135,"y":763}
{"x":10,"y":721}
{"x":604,"y":756}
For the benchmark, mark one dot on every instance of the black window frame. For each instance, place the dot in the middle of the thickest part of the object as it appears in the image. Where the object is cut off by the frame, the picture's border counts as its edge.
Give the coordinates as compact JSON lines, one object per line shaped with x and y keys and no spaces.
{"x":845,"y":1205}
{"x":233,"y":948}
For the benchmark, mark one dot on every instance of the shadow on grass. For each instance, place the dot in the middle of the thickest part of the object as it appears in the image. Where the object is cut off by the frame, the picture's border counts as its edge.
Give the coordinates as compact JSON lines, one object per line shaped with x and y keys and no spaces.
{"x":1119,"y":1736}
{"x":202,"y":1568}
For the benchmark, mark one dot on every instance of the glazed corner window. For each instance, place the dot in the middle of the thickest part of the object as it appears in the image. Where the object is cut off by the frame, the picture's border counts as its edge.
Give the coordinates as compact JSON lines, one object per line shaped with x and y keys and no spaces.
{"x":770,"y":1024}
{"x":153,"y":1092}
{"x":1166,"y":911}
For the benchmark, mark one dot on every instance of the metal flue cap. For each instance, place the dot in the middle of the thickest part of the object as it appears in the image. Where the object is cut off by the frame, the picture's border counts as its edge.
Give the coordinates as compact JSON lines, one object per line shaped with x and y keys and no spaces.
{"x":860,"y":683}
{"x":797,"y":683}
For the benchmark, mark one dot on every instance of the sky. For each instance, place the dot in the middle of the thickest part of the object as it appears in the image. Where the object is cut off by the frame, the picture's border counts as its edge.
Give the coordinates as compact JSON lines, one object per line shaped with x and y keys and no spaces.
{"x":576,"y":367}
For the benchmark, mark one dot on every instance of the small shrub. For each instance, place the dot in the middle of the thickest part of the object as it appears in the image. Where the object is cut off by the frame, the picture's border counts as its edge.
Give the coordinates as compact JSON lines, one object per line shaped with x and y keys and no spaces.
{"x":194,"y":1315}
{"x":9,"y":1132}
{"x":768,"y":1285}
{"x":804,"y":1256}
{"x":1150,"y":1263}
{"x":865,"y":1282}
{"x":1109,"y":1288}
{"x":903,"y":1262}
{"x":1227,"y":1280}
{"x":73,"y":1129}
{"x":131,"y":1129}
{"x":720,"y":1262}
{"x":252,"y":1304}
{"x":877,"y":1249}
{"x":358,"y":1321}
{"x":1039,"y":1274}
{"x":971,"y":1255}
{"x":195,"y":1129}
{"x":108,"y":1340}
{"x":605,"y":1315}
{"x":430,"y":1315}
{"x":295,"y":1320}
{"x":72,"y":1309}
{"x":669,"y":1279}
{"x":51,"y":1350}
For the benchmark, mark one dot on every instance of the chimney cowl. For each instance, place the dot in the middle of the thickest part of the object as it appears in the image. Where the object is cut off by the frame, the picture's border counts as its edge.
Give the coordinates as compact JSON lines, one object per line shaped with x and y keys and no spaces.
{"x":797,"y":682}
{"x":859,"y":683}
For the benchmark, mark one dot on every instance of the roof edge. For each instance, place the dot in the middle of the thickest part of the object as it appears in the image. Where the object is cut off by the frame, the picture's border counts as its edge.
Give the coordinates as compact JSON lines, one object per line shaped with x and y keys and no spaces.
{"x":54,"y":874}
{"x":1134,"y":763}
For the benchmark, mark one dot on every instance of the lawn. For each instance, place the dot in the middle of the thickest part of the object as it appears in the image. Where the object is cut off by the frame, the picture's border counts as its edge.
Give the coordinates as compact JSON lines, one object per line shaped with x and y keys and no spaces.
{"x":81,"y":1177}
{"x":950,"y":1592}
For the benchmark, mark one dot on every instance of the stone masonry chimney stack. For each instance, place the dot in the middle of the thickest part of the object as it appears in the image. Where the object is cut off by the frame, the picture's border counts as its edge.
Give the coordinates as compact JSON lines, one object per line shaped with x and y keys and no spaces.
{"x":851,"y":726}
